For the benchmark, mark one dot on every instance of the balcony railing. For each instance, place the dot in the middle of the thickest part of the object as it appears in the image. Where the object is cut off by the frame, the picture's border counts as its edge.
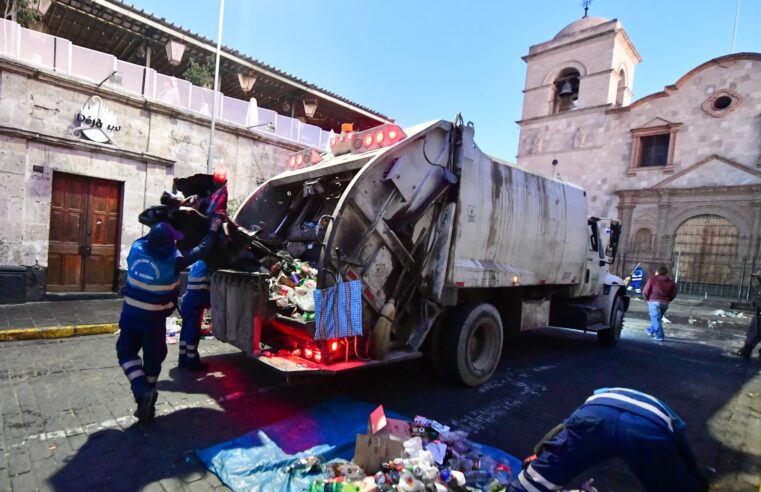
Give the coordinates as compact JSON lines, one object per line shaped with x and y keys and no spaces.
{"x":60,"y":55}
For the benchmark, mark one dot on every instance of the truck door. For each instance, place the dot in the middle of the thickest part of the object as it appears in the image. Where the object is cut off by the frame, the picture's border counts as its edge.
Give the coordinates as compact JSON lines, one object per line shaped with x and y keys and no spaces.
{"x":595,"y":258}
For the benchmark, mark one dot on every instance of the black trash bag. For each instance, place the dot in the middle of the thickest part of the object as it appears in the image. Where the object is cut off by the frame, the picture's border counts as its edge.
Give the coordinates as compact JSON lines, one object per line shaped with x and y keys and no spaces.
{"x":197,"y":184}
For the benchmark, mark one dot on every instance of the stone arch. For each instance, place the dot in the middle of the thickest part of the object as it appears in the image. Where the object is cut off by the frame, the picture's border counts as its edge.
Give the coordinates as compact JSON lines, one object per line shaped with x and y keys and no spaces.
{"x":673,"y":223}
{"x":553,"y":74}
{"x":705,"y":249}
{"x":642,"y":241}
{"x":623,"y":85}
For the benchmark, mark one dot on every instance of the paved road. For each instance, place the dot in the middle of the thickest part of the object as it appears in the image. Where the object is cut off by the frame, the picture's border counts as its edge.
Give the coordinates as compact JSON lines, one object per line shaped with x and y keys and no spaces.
{"x":66,"y":409}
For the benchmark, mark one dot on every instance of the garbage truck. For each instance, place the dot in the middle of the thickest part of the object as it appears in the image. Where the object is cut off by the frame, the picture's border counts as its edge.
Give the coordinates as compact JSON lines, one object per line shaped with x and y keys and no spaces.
{"x":454,"y":250}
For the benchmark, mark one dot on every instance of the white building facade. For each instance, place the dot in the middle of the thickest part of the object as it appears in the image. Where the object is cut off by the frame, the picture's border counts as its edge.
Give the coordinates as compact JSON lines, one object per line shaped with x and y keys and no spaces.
{"x":681,"y":167}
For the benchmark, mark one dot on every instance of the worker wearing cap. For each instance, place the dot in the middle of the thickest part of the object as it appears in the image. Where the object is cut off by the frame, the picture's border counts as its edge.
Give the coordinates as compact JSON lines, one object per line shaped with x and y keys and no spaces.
{"x":150,"y":295}
{"x":616,"y":422}
{"x":195,"y":300}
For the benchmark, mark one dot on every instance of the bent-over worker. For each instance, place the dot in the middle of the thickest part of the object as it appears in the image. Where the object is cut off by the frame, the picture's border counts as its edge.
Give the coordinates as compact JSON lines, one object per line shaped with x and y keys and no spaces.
{"x":616,"y":422}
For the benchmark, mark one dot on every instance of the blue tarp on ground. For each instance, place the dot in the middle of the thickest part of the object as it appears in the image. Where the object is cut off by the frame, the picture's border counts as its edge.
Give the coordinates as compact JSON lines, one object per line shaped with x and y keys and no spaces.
{"x":261,"y":459}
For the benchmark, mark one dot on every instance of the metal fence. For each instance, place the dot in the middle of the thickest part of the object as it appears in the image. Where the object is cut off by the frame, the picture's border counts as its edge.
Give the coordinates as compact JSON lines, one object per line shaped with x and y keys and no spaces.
{"x":59,"y":55}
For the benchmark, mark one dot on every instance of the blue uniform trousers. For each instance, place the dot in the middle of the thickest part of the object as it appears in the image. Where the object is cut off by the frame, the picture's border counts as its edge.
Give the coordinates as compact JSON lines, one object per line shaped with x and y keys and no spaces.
{"x":661,"y":459}
{"x":191,"y":309}
{"x":146,"y":332}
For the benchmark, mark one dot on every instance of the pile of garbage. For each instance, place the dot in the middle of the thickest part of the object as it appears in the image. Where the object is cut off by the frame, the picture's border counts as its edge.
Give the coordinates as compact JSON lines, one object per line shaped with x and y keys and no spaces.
{"x":291,"y":288}
{"x":433,"y":458}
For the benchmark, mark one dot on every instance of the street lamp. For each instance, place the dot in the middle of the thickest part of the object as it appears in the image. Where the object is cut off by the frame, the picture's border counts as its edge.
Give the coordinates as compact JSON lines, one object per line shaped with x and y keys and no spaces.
{"x":310,"y":107}
{"x":247,"y":81}
{"x":41,"y":6}
{"x":174,"y":51}
{"x":114,"y":77}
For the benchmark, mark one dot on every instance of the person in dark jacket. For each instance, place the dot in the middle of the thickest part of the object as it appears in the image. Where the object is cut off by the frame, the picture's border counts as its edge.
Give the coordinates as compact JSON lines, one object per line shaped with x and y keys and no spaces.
{"x":150,"y":295}
{"x":659,"y":291}
{"x":616,"y":422}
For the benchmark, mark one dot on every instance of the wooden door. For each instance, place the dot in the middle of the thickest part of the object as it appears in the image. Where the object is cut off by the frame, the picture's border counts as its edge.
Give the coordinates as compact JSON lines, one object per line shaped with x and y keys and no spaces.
{"x":84,"y":234}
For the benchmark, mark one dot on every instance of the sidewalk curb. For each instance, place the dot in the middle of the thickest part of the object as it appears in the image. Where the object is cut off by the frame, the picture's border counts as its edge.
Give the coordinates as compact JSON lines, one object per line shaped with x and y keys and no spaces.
{"x":57,"y":332}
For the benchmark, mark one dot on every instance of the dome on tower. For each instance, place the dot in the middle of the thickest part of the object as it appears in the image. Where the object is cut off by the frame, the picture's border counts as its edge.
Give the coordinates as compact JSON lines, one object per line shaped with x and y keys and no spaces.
{"x":580,"y":25}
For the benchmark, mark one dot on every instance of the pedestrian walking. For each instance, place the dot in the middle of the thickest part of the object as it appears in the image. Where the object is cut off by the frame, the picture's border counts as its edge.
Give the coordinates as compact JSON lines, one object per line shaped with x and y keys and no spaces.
{"x":194,"y":302}
{"x":150,"y":296}
{"x":753,"y":336}
{"x":659,"y":291}
{"x":615,"y":422}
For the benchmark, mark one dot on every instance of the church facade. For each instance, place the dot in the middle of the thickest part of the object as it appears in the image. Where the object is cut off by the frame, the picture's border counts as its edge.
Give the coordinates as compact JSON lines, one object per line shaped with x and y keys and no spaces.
{"x":681,"y":168}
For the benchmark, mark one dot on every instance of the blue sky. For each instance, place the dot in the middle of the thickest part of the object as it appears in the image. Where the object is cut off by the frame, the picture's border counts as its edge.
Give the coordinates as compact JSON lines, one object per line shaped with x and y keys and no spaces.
{"x":417,"y":60}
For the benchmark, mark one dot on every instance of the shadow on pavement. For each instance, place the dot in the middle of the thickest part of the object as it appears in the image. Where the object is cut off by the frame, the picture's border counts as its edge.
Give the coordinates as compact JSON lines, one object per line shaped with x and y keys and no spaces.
{"x":542,"y":378}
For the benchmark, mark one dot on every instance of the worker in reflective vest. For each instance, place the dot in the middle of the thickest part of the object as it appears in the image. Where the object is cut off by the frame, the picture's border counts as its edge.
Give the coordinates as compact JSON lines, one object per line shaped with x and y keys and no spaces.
{"x":150,"y":295}
{"x":615,"y":422}
{"x":195,"y":300}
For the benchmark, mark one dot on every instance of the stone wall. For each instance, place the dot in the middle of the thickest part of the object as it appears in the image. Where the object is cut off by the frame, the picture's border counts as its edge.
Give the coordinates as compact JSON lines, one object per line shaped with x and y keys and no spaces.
{"x":156,"y":143}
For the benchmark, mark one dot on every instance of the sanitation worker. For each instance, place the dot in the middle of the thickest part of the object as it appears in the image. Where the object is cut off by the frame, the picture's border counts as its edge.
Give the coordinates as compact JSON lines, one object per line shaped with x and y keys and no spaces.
{"x":615,"y":422}
{"x":195,"y":300}
{"x":150,"y":295}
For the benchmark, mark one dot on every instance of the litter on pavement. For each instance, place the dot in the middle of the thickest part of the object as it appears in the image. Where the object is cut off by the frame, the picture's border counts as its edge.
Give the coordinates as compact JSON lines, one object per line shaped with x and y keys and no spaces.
{"x":312,"y":451}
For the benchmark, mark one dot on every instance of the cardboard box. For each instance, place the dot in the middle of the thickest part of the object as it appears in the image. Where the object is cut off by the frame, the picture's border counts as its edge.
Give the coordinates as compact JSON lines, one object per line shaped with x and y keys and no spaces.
{"x":382,"y":443}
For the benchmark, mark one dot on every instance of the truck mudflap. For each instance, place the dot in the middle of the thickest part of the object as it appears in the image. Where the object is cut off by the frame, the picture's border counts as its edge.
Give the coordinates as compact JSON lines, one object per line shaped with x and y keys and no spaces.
{"x":291,"y":365}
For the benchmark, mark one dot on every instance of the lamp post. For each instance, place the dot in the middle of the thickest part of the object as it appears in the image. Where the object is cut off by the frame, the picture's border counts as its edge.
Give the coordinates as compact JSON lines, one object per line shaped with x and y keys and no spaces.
{"x":209,"y":162}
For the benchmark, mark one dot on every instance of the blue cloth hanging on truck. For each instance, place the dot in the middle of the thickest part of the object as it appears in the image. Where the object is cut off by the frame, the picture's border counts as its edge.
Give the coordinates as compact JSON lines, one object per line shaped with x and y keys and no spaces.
{"x":338,"y":311}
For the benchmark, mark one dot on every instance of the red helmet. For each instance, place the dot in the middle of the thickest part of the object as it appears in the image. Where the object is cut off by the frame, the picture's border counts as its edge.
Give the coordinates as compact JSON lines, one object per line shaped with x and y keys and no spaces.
{"x":220,"y":174}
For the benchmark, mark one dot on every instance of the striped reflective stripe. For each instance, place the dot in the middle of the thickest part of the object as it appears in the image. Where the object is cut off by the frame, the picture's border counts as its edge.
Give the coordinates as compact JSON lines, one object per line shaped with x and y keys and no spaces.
{"x":151,"y":379}
{"x":182,"y":351}
{"x":198,"y":279}
{"x":527,"y":484}
{"x":191,"y":355}
{"x":135,"y":374}
{"x":137,"y":283}
{"x":131,"y":363}
{"x":197,"y":287}
{"x":190,"y":347}
{"x":536,"y":477}
{"x":182,"y":342}
{"x":146,"y":306}
{"x":650,"y":408}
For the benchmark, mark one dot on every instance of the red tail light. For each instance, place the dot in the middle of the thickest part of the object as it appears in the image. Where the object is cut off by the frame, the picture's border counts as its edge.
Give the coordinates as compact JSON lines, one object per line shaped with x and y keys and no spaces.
{"x":376,"y":138}
{"x":334,"y":345}
{"x":307,"y":157}
{"x":308,"y":353}
{"x":317,"y":357}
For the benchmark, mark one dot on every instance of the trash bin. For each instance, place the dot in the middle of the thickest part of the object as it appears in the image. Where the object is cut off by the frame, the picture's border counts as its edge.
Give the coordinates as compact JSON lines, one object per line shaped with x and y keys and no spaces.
{"x":238,"y":307}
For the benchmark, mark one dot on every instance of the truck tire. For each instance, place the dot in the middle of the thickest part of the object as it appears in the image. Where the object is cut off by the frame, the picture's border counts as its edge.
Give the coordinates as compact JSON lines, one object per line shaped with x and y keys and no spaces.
{"x":470,"y":344}
{"x":611,"y":336}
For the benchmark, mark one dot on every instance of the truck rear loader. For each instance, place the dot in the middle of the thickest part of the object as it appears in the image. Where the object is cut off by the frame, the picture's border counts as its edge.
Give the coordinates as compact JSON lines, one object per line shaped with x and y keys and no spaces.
{"x":454,"y":249}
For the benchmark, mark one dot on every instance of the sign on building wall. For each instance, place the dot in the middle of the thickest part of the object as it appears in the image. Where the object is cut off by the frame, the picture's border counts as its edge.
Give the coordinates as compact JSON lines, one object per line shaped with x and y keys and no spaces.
{"x":96,"y":122}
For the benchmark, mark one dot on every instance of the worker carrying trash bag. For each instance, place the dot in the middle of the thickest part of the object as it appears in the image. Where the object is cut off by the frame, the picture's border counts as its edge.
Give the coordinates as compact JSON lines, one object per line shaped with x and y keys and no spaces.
{"x":150,"y":296}
{"x":615,"y":422}
{"x":195,"y":300}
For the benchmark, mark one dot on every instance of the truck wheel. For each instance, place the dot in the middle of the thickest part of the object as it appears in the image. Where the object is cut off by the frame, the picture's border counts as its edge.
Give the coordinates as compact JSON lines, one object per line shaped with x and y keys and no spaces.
{"x":471,"y":344}
{"x":611,"y":336}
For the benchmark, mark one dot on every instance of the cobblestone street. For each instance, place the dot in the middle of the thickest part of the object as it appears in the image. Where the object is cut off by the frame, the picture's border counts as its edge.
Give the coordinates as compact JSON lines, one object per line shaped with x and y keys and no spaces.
{"x":67,"y":411}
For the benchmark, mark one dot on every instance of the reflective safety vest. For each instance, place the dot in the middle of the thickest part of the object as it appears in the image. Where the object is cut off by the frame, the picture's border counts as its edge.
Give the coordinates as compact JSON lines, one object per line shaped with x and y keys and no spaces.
{"x":638,"y":403}
{"x":152,"y":284}
{"x":198,"y":277}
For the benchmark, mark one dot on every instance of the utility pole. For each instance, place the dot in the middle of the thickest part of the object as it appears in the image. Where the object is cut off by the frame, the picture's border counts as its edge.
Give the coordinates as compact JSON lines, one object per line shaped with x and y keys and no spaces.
{"x":210,"y":160}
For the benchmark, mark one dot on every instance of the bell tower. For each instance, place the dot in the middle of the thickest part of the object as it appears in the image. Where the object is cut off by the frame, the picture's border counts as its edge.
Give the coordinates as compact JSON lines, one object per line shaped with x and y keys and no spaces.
{"x":589,"y":64}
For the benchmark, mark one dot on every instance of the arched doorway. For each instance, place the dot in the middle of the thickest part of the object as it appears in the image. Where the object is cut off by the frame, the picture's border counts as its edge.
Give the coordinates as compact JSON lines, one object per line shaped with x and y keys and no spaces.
{"x":705,"y":247}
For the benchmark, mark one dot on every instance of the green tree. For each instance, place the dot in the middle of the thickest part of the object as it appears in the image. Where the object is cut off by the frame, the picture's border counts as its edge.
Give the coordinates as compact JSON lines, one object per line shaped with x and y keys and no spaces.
{"x":199,"y":74}
{"x":20,"y":11}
